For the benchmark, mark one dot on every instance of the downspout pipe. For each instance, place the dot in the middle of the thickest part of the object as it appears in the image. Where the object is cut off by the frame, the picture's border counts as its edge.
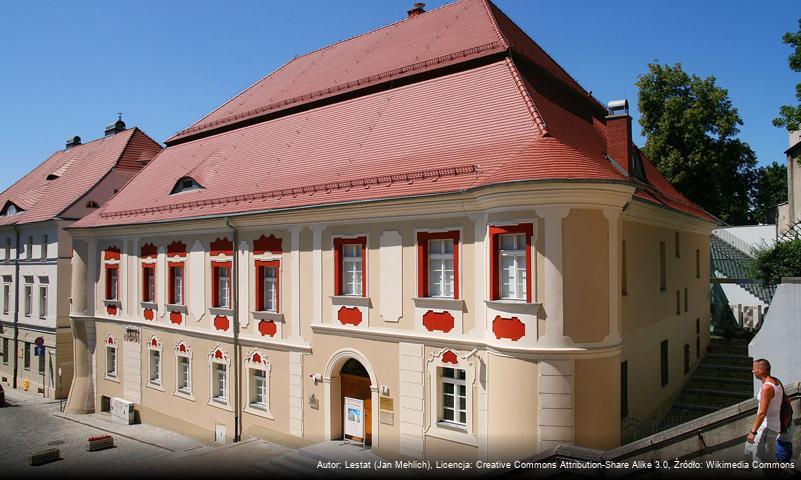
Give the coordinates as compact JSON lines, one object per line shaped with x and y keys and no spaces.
{"x":237,"y":350}
{"x":16,"y":308}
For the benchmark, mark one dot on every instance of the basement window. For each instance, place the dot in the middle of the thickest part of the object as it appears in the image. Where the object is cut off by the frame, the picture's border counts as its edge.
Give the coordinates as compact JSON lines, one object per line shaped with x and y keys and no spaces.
{"x":185,"y":184}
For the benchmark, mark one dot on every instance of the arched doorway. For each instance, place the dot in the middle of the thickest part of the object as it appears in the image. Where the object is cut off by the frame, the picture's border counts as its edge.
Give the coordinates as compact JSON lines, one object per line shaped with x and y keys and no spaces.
{"x":348,"y":374}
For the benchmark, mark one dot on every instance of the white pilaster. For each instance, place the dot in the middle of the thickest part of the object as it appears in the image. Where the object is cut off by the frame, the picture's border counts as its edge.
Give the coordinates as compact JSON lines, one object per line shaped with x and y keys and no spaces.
{"x":483,"y":407}
{"x":294,"y":287}
{"x":480,"y":291}
{"x":317,"y":273}
{"x":391,"y":275}
{"x":92,"y":277}
{"x":296,"y":394}
{"x":411,"y":399}
{"x":555,"y":414}
{"x":134,"y":293}
{"x":122,"y":293}
{"x":612,"y":216}
{"x":243,"y":285}
{"x":553,"y":303}
{"x":196,"y":278}
{"x":163,"y":277}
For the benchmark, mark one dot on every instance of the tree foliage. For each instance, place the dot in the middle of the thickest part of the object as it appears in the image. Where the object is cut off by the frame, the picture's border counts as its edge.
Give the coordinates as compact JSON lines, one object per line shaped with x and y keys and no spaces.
{"x":790,"y":115}
{"x":691,"y":128}
{"x":770,"y":264}
{"x":770,"y":190}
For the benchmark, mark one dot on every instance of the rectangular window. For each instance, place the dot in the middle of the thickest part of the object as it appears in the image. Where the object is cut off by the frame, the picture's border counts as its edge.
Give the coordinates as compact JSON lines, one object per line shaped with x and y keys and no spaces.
{"x":686,"y":302}
{"x":176,"y":293}
{"x":8,"y":249}
{"x":220,"y":379}
{"x":624,"y":389}
{"x":267,"y":295}
{"x":27,"y":356}
{"x":28,"y":305}
{"x":111,"y":361}
{"x":662,"y":267}
{"x":6,"y":298}
{"x":678,"y":248}
{"x":663,"y":351}
{"x":454,"y":396}
{"x":221,"y":276}
{"x":258,"y":390}
{"x":43,"y":252}
{"x":686,"y":359}
{"x":678,"y":302}
{"x":42,"y":356}
{"x":184,"y":375}
{"x":5,"y":351}
{"x":29,"y":248}
{"x":111,"y":282}
{"x":510,"y":266}
{"x":438,"y":264}
{"x":697,"y":338}
{"x":42,"y":301}
{"x":155,"y":367}
{"x":350,"y":255}
{"x":149,"y":282}
{"x":624,"y":279}
{"x":697,"y":263}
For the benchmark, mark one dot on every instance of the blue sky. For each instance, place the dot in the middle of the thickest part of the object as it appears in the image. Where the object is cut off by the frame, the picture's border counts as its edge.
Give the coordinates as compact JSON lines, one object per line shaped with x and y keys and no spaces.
{"x":67,"y":68}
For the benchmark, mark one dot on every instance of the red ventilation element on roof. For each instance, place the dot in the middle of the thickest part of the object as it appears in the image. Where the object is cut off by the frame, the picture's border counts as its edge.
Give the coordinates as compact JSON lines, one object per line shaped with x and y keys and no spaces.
{"x":267,"y":328}
{"x":450,"y":357}
{"x":111,"y":253}
{"x":419,"y":9}
{"x":176,"y":318}
{"x":221,"y":322}
{"x":267,"y":244}
{"x":511,"y":328}
{"x":176,"y":248}
{"x":148,"y":314}
{"x":349,"y":316}
{"x":148,"y":251}
{"x":442,"y":321}
{"x":222,"y":246}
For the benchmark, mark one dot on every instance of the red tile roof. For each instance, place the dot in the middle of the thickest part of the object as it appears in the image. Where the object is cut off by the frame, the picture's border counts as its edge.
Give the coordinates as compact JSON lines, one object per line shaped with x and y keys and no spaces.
{"x":474,"y":124}
{"x":76,"y":171}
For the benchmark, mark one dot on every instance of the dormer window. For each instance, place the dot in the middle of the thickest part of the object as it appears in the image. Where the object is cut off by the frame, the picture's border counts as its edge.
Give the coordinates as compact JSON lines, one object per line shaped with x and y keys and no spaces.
{"x":92,"y":204}
{"x":10,"y":210}
{"x":185,"y":184}
{"x":637,"y":169}
{"x":52,"y":176}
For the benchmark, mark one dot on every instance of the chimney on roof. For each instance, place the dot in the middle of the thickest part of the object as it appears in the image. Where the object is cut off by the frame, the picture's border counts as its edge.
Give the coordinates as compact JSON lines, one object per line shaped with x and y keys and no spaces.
{"x":618,"y":133}
{"x":73,"y":142}
{"x":419,"y":8}
{"x":116,"y":127}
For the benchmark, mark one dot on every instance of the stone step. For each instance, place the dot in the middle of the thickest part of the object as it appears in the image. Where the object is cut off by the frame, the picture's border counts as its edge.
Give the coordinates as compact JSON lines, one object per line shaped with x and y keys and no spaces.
{"x":715,"y":392}
{"x":729,"y":355}
{"x":735,"y":381}
{"x":690,"y":406}
{"x":719,"y":366}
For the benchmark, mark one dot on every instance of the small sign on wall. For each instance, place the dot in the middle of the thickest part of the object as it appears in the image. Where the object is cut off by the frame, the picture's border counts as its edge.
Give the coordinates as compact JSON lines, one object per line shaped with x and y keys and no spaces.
{"x":386,"y":403}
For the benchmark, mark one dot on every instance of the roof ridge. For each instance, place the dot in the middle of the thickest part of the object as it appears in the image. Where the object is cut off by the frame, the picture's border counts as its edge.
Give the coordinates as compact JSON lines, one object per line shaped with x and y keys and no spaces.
{"x":495,"y":25}
{"x":532,"y":107}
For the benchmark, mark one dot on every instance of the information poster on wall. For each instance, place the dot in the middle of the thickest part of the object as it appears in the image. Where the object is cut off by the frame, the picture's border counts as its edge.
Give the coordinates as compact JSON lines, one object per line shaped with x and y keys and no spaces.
{"x":354,"y":418}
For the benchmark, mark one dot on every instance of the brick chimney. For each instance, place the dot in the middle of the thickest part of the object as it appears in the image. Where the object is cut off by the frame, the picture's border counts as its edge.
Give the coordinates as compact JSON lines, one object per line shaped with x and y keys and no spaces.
{"x":618,"y":133}
{"x":419,"y":8}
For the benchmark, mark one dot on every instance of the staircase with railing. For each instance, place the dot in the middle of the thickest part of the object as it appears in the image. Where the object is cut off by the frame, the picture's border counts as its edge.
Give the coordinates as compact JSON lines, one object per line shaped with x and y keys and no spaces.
{"x":730,"y":257}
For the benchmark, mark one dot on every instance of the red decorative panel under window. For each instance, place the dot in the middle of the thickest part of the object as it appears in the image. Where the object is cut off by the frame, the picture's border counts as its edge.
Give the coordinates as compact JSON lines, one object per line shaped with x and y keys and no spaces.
{"x":111,"y":253}
{"x":222,"y":246}
{"x":267,"y":244}
{"x":145,"y":287}
{"x":267,"y":328}
{"x":422,"y":260}
{"x":111,"y":310}
{"x":260,"y":283}
{"x":495,"y":274}
{"x":442,"y":321}
{"x":176,"y":248}
{"x":511,"y":328}
{"x":349,"y":316}
{"x":339,"y":243}
{"x":148,"y":314}
{"x":221,"y":322}
{"x":176,"y":318}
{"x":148,"y":250}
{"x":450,"y":357}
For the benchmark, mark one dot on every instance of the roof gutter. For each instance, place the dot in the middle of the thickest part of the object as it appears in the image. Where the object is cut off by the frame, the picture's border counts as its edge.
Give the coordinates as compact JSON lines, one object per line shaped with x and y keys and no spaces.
{"x":237,"y":348}
{"x":16,"y":308}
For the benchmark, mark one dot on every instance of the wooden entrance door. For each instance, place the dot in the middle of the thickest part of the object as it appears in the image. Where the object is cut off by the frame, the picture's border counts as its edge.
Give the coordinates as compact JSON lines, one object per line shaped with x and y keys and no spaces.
{"x":358,"y":387}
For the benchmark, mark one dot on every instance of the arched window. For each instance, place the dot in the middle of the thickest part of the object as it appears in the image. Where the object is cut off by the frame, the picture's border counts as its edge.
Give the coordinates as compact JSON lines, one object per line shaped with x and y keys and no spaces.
{"x":185,"y":184}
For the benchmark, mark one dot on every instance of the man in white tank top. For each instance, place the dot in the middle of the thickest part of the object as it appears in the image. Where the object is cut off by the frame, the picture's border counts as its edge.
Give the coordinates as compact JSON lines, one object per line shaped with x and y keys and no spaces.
{"x":767,"y":423}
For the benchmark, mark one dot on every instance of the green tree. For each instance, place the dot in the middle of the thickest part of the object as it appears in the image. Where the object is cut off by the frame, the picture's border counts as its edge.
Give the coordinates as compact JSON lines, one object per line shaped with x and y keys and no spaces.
{"x":770,"y":190}
{"x":770,"y":264}
{"x":691,"y":129}
{"x":790,"y":115}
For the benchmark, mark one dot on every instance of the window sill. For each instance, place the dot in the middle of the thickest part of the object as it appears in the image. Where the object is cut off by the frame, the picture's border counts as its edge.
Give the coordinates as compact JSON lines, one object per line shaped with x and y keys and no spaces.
{"x":453,"y":433}
{"x":111,"y":378}
{"x":176,"y":308}
{"x":351,"y":300}
{"x":220,"y":404}
{"x":259,"y":411}
{"x":150,"y":305}
{"x":185,"y":395}
{"x":514,"y":306}
{"x":439,"y":303}
{"x":221,"y":311}
{"x":276,"y":317}
{"x":108,"y":302}
{"x":155,"y":386}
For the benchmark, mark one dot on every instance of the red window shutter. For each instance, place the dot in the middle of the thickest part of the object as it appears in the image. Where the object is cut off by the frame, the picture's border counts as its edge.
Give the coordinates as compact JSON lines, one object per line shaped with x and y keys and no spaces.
{"x":108,"y":282}
{"x":495,"y":274}
{"x":260,"y":273}
{"x":215,"y":286}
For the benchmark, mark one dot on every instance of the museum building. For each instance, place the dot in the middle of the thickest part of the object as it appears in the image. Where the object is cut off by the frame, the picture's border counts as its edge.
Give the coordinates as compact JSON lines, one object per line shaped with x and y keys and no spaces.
{"x":431,"y":222}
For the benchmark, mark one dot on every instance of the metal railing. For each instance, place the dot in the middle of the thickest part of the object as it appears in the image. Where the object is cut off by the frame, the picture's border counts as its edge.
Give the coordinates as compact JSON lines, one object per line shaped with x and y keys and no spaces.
{"x":734,"y":241}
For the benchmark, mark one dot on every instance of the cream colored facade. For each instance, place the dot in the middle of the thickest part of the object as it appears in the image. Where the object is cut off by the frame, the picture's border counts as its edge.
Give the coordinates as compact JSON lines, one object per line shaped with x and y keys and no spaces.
{"x":558,"y":380}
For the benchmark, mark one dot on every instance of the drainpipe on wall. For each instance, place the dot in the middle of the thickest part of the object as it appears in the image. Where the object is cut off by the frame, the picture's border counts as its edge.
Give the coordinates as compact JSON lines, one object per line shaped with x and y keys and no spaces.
{"x":16,"y":308}
{"x":237,"y":351}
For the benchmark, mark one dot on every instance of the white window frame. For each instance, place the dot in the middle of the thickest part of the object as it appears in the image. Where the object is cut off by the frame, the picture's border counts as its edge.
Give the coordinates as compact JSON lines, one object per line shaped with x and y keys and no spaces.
{"x":154,"y":352}
{"x":270,"y":294}
{"x":257,"y":362}
{"x":348,"y":277}
{"x":5,"y":350}
{"x":442,"y":429}
{"x":456,"y":383}
{"x":185,"y":392}
{"x":6,"y":298}
{"x":225,"y":361}
{"x":26,"y":356}
{"x":178,"y":293}
{"x":29,"y":247}
{"x":441,"y":272}
{"x":43,"y":246}
{"x":223,"y":287}
{"x":519,"y":256}
{"x":43,"y":299}
{"x":27,"y":299}
{"x":111,"y":346}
